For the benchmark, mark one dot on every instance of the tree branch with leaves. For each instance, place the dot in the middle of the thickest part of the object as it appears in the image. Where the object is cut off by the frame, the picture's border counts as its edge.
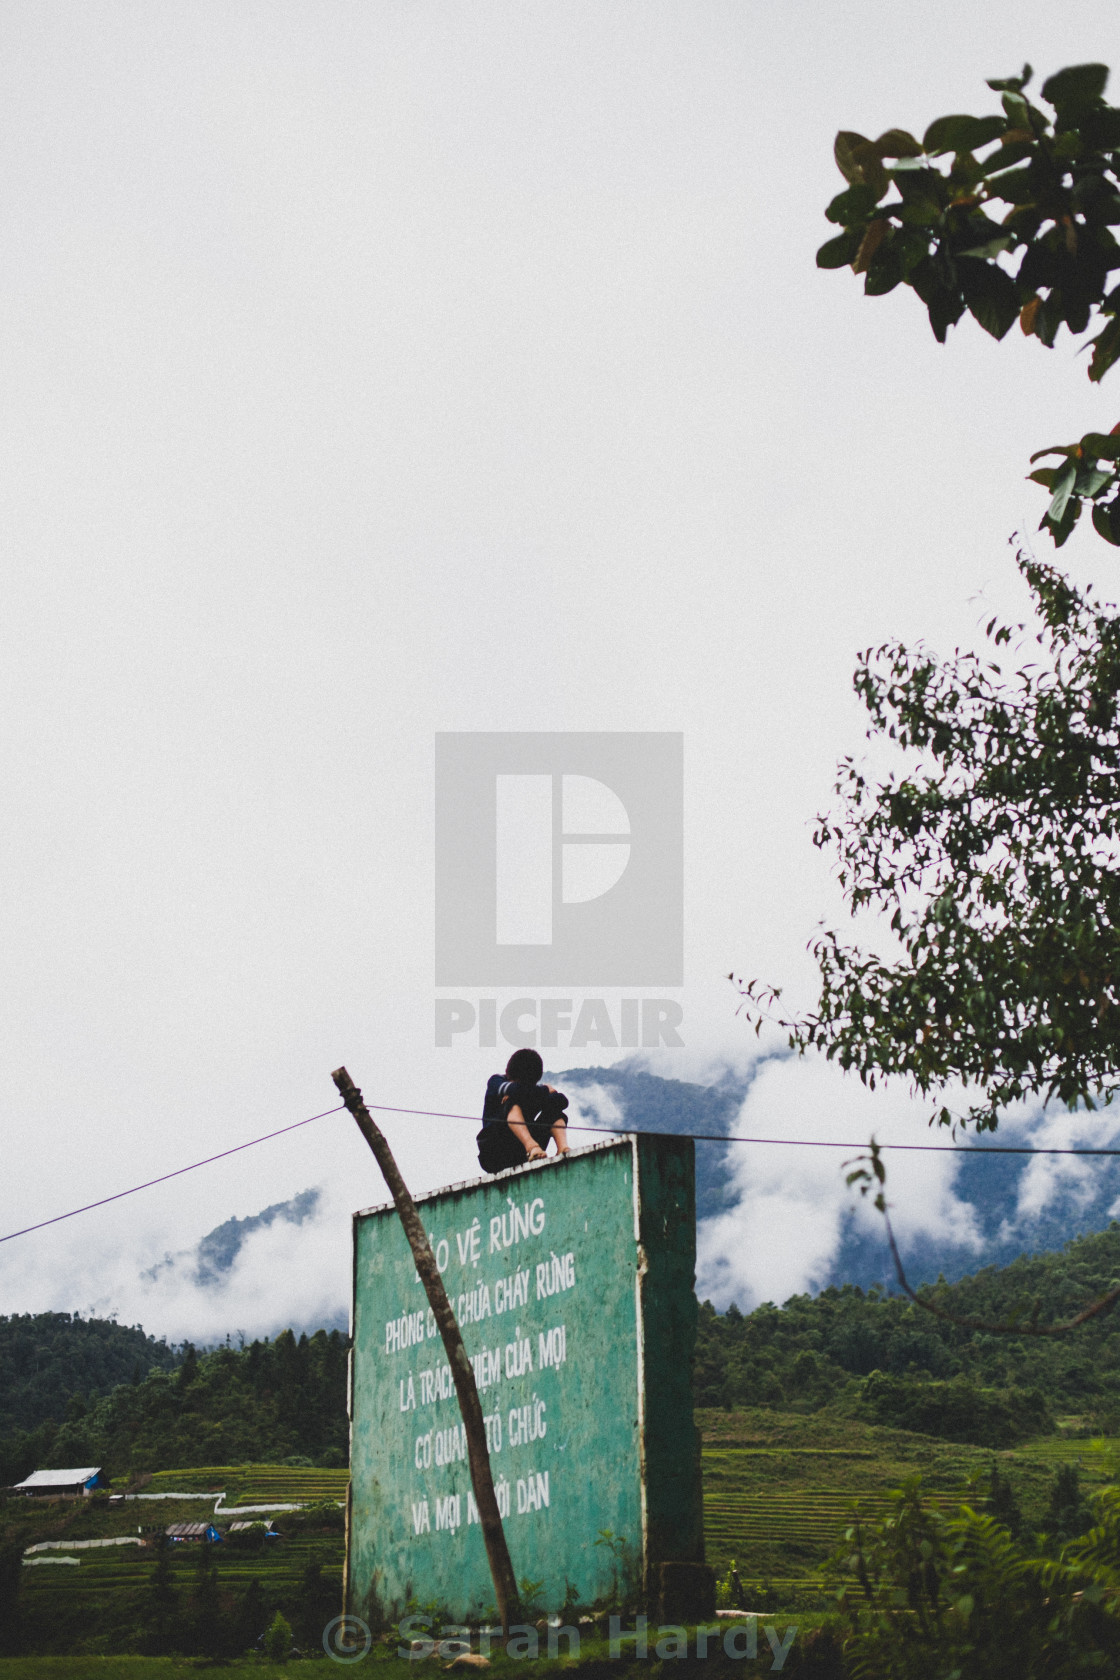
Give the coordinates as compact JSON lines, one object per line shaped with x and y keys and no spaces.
{"x":1009,"y":217}
{"x":995,"y":855}
{"x":996,"y":860}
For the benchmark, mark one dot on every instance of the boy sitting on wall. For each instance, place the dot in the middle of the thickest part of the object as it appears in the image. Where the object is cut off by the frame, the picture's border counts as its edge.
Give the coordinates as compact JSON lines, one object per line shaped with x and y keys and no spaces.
{"x":519,"y":1115}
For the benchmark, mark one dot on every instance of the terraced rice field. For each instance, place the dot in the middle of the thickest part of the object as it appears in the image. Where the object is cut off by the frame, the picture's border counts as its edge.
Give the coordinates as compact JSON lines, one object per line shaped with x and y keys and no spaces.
{"x":1097,"y":1459}
{"x":779,"y":1491}
{"x":769,"y":1512}
{"x":117,"y":1568}
{"x":818,"y":1515}
{"x":104,"y":1601}
{"x":254,"y":1484}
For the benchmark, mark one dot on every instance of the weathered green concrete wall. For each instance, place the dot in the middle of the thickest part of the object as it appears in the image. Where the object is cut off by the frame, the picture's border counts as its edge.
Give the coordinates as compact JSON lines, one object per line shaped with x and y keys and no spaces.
{"x":572,"y":1281}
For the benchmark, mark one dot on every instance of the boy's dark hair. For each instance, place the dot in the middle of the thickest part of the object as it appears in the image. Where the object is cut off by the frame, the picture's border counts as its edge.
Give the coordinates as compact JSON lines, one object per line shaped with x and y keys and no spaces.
{"x":525,"y":1066}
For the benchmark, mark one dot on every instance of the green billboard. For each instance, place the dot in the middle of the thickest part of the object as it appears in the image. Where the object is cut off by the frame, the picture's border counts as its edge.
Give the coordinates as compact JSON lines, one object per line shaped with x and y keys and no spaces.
{"x":572,"y":1280}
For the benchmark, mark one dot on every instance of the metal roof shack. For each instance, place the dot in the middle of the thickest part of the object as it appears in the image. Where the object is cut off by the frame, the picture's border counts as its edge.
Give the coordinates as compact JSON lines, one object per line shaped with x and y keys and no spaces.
{"x":270,"y":1529}
{"x":61,"y":1484}
{"x":191,"y":1531}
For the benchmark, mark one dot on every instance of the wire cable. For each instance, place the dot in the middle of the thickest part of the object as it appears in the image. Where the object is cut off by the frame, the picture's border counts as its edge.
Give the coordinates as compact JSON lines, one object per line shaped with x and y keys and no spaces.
{"x":178,"y":1173}
{"x":597,"y":1131}
{"x":793,"y":1143}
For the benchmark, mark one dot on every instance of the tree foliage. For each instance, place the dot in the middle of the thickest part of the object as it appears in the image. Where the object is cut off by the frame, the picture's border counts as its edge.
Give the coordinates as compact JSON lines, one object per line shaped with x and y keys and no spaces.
{"x":881,"y":1358}
{"x":278,"y":1639}
{"x":1007,"y":216}
{"x":995,"y":858}
{"x":268,"y":1401}
{"x":946,"y":1593}
{"x":994,"y":853}
{"x":11,"y":1582}
{"x":45,"y":1358}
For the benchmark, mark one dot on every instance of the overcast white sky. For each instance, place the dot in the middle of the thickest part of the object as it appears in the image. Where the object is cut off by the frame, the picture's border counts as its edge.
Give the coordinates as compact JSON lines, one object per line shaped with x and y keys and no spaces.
{"x":344,"y":345}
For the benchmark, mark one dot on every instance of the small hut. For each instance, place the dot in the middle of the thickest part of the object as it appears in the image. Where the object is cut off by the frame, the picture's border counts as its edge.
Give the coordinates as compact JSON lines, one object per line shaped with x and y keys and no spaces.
{"x":177,"y":1533}
{"x":61,"y":1484}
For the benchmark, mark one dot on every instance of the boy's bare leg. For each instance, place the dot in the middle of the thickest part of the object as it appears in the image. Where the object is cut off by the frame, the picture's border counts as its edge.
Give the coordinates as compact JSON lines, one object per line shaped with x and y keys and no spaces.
{"x":560,"y":1137}
{"x":524,"y":1136}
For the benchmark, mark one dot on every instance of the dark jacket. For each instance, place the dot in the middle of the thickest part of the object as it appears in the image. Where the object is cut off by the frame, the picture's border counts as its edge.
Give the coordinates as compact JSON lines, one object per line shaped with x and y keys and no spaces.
{"x":540,"y":1109}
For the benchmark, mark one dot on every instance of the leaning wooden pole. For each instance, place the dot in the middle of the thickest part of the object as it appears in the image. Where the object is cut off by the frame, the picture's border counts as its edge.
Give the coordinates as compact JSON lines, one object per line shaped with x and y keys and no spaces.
{"x":482,"y":1478}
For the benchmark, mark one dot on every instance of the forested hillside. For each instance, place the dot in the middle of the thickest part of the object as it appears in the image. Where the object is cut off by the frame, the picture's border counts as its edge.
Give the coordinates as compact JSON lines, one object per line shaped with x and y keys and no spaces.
{"x":918,"y":1371}
{"x":871,"y":1355}
{"x":268,"y":1401}
{"x":47,"y":1357}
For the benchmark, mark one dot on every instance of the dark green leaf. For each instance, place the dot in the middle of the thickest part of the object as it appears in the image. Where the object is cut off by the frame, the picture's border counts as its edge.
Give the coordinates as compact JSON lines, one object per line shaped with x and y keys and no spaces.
{"x":1009,"y":154}
{"x":1092,"y":480}
{"x":1017,"y":109}
{"x":912,"y":248}
{"x":855,"y":204}
{"x":883,"y":278}
{"x":1015,"y":187}
{"x":896,"y":143}
{"x":1101,"y":446}
{"x":990,"y":295}
{"x":859,"y":162}
{"x":961,"y":133}
{"x":1013,"y":84}
{"x":1106,"y":348}
{"x":884,"y":271}
{"x":834,"y":253}
{"x":918,"y":212}
{"x":943,"y":303}
{"x":945,"y":309}
{"x":1106,"y":521}
{"x":1063,"y":490}
{"x":845,"y":150}
{"x":1080,"y":84}
{"x":1061,"y":530}
{"x":1100,"y":128}
{"x":1048,"y":319}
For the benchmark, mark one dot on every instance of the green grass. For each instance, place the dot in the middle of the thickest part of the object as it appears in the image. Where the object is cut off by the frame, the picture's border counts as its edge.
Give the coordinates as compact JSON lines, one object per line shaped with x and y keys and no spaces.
{"x":594,"y":1655}
{"x":123,"y":1668}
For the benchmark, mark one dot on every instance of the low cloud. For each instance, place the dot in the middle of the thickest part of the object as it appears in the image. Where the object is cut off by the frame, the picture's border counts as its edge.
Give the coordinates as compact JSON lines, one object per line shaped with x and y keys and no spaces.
{"x":271,"y":1273}
{"x":1074,"y":1178}
{"x":597,"y":1106}
{"x":283,"y":1273}
{"x":792,"y":1206}
{"x":781,"y":1219}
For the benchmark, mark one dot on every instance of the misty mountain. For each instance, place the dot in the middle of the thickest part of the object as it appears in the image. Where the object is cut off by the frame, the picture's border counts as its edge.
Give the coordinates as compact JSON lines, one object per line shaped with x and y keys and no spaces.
{"x":220,"y":1247}
{"x":215,"y":1253}
{"x":990,"y":1184}
{"x":670,"y":1105}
